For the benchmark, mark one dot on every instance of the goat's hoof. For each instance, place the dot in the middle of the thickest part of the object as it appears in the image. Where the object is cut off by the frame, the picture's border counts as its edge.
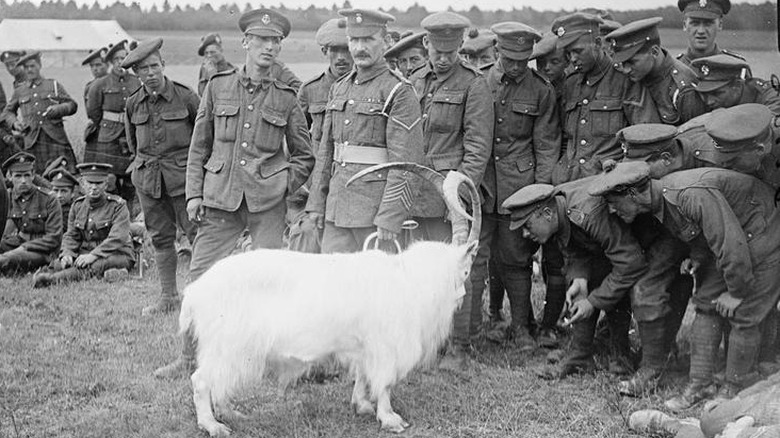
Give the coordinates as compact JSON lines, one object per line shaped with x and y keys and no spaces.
{"x":216,"y":430}
{"x":364,"y":408}
{"x":395,"y":424}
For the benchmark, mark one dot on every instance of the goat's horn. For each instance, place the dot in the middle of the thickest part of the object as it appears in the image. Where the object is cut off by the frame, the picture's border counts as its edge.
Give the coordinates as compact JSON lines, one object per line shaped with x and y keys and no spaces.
{"x":460,"y":228}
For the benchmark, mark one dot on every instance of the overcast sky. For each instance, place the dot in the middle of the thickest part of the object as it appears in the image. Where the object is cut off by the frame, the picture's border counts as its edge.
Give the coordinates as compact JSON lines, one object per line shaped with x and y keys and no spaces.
{"x":432,"y":5}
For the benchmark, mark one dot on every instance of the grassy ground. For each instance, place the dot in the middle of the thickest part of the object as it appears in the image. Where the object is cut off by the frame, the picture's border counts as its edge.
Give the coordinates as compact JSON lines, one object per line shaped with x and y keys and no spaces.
{"x":76,"y":361}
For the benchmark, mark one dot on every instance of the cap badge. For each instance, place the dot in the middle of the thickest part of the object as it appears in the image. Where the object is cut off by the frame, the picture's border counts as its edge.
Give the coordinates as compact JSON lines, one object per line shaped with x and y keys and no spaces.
{"x":560,"y":32}
{"x":705,"y":70}
{"x":266,"y":19}
{"x":218,"y":39}
{"x":58,"y":176}
{"x":702,"y":3}
{"x":21,"y":159}
{"x":358,"y":18}
{"x":103,"y":53}
{"x":520,"y":40}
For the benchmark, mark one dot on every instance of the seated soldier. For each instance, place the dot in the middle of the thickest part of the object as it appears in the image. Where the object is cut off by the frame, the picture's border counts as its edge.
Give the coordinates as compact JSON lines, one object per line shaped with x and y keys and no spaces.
{"x":33,"y":230}
{"x":98,"y":238}
{"x":63,"y":186}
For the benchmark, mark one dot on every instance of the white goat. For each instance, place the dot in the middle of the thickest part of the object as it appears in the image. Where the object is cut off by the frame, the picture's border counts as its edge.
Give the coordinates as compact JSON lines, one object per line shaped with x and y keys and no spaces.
{"x":276,"y":312}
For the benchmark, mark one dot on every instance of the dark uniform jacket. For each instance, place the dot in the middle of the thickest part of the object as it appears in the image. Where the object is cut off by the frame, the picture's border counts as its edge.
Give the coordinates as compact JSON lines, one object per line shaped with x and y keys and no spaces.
{"x":205,"y":75}
{"x":588,"y":231}
{"x":728,"y":214}
{"x":313,"y":98}
{"x":596,"y":107}
{"x":457,"y":122}
{"x":90,"y":131}
{"x":375,"y":108}
{"x":101,"y":228}
{"x":31,"y":99}
{"x":526,"y":137}
{"x":761,"y":91}
{"x":238,"y":145}
{"x":687,"y":57}
{"x":109,"y":94}
{"x":672,"y":88}
{"x":34,"y":222}
{"x":159,"y":129}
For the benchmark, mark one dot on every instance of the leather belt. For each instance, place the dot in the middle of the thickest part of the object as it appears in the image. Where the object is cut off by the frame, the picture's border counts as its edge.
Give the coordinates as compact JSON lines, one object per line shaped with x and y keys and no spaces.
{"x":346,"y":153}
{"x":114,"y":117}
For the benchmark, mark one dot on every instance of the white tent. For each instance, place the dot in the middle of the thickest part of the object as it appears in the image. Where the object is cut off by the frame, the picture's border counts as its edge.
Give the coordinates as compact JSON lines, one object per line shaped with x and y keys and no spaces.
{"x":62,"y":42}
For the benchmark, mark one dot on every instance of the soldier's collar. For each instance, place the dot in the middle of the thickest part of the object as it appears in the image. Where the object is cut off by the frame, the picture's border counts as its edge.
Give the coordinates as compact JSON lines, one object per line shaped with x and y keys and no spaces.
{"x":364,"y":75}
{"x":599,"y":71}
{"x":17,"y":195}
{"x":37,"y":81}
{"x":246,"y":81}
{"x":167,"y":90}
{"x":97,"y":203}
{"x":691,"y":56}
{"x":656,"y":199}
{"x":442,"y":77}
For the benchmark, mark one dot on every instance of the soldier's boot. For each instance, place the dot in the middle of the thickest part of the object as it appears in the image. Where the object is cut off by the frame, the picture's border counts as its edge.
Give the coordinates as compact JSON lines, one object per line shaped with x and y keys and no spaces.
{"x":553,"y":306}
{"x":705,"y":340}
{"x":654,"y":355}
{"x":65,"y":276}
{"x":620,"y":362}
{"x":455,"y":359}
{"x":649,"y":421}
{"x":744,"y":345}
{"x":169,"y":298}
{"x":768,"y":352}
{"x":518,"y":288}
{"x":184,"y":365}
{"x":496,"y":294}
{"x":42,"y":279}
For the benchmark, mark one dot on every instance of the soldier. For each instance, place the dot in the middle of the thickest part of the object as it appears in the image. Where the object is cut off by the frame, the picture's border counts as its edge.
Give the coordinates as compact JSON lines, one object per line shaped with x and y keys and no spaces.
{"x":97,"y":242}
{"x":598,"y":100}
{"x":702,"y":20}
{"x":723,"y":83}
{"x":64,"y":186}
{"x":238,"y":171}
{"x":213,"y":59}
{"x":313,"y":96}
{"x":732,"y":225}
{"x":373,"y":117}
{"x":106,"y":110}
{"x":159,"y":119}
{"x":526,"y":144}
{"x":33,"y":230}
{"x":41,"y":104}
{"x":8,"y":143}
{"x":10,"y":58}
{"x":457,"y":126}
{"x":603,"y":261}
{"x":551,"y":62}
{"x":671,"y":84}
{"x":99,"y":68}
{"x":479,"y":48}
{"x":409,"y":53}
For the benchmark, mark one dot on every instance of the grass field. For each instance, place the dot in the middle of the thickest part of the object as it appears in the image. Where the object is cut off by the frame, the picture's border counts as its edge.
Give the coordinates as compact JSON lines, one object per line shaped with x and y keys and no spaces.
{"x":76,"y":361}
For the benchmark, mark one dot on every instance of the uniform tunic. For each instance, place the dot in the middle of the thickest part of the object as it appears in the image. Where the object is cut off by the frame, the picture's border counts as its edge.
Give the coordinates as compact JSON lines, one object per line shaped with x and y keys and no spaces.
{"x":313,"y":98}
{"x":99,"y":228}
{"x":672,"y":89}
{"x":35,"y":225}
{"x":106,"y":109}
{"x":43,"y":137}
{"x":688,"y":56}
{"x":205,"y":75}
{"x":362,"y":112}
{"x":761,"y":91}
{"x":597,"y":106}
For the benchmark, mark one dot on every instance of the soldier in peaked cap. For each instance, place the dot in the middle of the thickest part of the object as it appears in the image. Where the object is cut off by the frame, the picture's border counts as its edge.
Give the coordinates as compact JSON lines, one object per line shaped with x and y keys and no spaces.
{"x":99,"y":68}
{"x":638,"y":53}
{"x":159,"y":119}
{"x":213,"y":59}
{"x":97,"y":241}
{"x":356,"y":138}
{"x":33,"y":230}
{"x":724,"y":82}
{"x":409,"y":53}
{"x":36,"y":110}
{"x":525,"y":146}
{"x":715,"y":212}
{"x":598,"y":100}
{"x":10,"y":58}
{"x":64,"y":185}
{"x":457,"y":127}
{"x":106,"y":110}
{"x":702,"y":20}
{"x":479,"y":48}
{"x":238,"y":169}
{"x":604,"y":262}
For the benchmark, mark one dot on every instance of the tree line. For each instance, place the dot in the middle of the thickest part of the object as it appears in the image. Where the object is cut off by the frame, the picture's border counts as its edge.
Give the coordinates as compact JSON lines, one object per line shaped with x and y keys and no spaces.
{"x":133,"y":17}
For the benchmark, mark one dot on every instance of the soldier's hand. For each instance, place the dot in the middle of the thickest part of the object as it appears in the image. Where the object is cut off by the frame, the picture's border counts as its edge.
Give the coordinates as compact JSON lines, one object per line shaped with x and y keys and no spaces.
{"x":582,"y":309}
{"x":316,"y":219}
{"x":726,"y":305}
{"x":384,"y":234}
{"x":578,"y":288}
{"x":195,"y":209}
{"x":85,"y":260}
{"x":18,"y":126}
{"x":66,"y":261}
{"x":689,"y":267}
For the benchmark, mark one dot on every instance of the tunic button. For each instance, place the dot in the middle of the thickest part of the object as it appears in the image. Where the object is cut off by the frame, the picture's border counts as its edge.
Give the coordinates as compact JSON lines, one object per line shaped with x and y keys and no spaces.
{"x":693,"y":232}
{"x":250,"y":107}
{"x":585,"y":101}
{"x":583,"y":121}
{"x":430,"y":94}
{"x":346,"y":122}
{"x":750,"y":235}
{"x":351,"y":102}
{"x":242,"y":162}
{"x":247,"y":125}
{"x":696,"y":153}
{"x":244,"y":144}
{"x":500,"y":120}
{"x":582,"y":161}
{"x":568,"y":211}
{"x":35,"y":94}
{"x":497,"y":157}
{"x":251,"y":90}
{"x":583,"y":142}
{"x":663,"y":190}
{"x":674,"y":71}
{"x":503,"y":102}
{"x":425,"y":116}
{"x":357,"y":82}
{"x":24,"y":212}
{"x":498,"y":140}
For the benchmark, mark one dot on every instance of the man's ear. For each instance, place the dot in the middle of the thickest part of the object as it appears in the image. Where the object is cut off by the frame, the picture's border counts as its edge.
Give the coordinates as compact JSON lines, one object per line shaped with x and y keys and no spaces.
{"x":548,"y":213}
{"x":666,"y":157}
{"x":389,"y":40}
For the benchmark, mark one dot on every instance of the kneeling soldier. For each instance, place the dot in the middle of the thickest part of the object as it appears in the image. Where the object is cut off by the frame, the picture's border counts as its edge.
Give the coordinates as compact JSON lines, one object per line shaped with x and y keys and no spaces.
{"x":34,"y":227}
{"x":98,"y":236}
